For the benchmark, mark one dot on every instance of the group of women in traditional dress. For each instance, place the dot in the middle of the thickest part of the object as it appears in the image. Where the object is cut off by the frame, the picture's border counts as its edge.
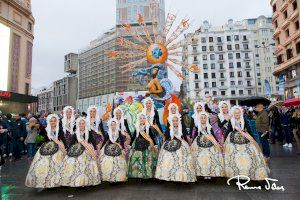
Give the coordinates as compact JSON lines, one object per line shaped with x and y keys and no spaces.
{"x":80,"y":153}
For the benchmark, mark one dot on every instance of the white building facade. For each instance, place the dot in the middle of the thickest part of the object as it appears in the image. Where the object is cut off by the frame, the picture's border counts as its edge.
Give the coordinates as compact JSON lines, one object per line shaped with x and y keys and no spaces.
{"x":264,"y":57}
{"x":225,"y":56}
{"x":45,"y":102}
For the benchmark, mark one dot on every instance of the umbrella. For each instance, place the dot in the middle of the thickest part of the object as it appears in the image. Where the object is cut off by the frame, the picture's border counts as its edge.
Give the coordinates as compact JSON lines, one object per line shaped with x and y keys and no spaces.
{"x":276,"y":103}
{"x":292,"y":102}
{"x":253,"y":101}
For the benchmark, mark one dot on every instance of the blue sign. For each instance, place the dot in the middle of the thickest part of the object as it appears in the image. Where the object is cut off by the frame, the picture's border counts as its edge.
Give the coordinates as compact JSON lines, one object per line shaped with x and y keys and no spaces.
{"x":281,"y":85}
{"x":267,"y":88}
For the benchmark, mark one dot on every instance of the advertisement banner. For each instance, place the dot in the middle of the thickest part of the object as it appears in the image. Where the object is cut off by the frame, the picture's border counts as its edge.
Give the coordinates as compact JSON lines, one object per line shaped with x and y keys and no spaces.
{"x":281,"y":85}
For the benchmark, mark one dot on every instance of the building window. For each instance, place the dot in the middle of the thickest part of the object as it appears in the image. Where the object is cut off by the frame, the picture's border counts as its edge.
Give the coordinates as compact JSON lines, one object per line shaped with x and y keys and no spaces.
{"x":245,"y":38}
{"x":203,"y":40}
{"x":295,"y":6}
{"x":238,"y":64}
{"x":240,"y":74}
{"x":232,"y":92}
{"x":205,"y":66}
{"x":289,"y":54}
{"x":204,"y":48}
{"x":230,"y":65}
{"x":238,"y":55}
{"x":228,"y":38}
{"x":230,"y":56}
{"x":285,"y":14}
{"x":240,"y":82}
{"x":195,"y":49}
{"x":231,"y":74}
{"x":222,"y":75}
{"x":274,"y":8}
{"x":219,"y":39}
{"x":246,"y":46}
{"x":212,"y":66}
{"x":297,"y":25}
{"x":195,"y":59}
{"x":29,"y":26}
{"x":211,"y":48}
{"x":241,"y":92}
{"x":229,"y":47}
{"x":246,"y":55}
{"x":204,"y":57}
{"x":247,"y":64}
{"x":222,"y":83}
{"x":221,"y":66}
{"x":197,"y":85}
{"x":237,"y":46}
{"x":213,"y":75}
{"x":211,"y":39}
{"x":248,"y":74}
{"x":214,"y":84}
{"x":220,"y":48}
{"x":232,"y":83}
{"x":223,"y":93}
{"x":298,"y":47}
{"x":221,"y":57}
{"x":236,"y":38}
{"x":276,"y":24}
{"x":215,"y":93}
{"x":206,"y":84}
{"x":27,"y":88}
{"x":248,"y":83}
{"x":212,"y":56}
{"x":206,"y":75}
{"x":249,"y":92}
{"x":196,"y":76}
{"x":287,"y":33}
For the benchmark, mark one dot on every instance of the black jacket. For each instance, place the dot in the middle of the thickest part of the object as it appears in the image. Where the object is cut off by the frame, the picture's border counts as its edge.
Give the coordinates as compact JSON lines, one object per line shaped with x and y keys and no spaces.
{"x":17,"y":128}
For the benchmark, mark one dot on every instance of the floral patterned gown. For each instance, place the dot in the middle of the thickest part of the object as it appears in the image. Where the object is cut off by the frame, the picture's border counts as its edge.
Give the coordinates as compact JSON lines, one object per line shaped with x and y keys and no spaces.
{"x":112,"y":161}
{"x":175,"y":162}
{"x":79,"y":169}
{"x":46,"y":165}
{"x":208,"y":158}
{"x":242,"y":157}
{"x":142,"y":161}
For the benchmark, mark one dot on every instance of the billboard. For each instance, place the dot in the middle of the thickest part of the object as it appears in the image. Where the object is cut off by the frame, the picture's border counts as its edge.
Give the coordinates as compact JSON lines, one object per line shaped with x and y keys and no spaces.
{"x":4,"y":56}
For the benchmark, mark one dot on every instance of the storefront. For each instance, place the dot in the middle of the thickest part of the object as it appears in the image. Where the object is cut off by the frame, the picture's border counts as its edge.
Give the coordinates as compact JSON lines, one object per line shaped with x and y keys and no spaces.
{"x":17,"y":103}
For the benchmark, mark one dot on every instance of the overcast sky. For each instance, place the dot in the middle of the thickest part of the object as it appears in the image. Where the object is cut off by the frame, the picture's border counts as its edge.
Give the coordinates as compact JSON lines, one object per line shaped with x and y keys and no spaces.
{"x":64,"y":26}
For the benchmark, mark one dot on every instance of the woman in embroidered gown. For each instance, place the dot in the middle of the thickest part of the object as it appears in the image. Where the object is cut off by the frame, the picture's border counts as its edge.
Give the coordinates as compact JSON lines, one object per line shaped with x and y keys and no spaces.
{"x":175,"y":162}
{"x":95,"y":125}
{"x":198,"y":108}
{"x":80,"y":167}
{"x":143,"y":153}
{"x":112,"y":158}
{"x":224,"y":121}
{"x":122,"y":125}
{"x":243,"y":156}
{"x":152,"y":119}
{"x":48,"y":159}
{"x":68,"y":124}
{"x":206,"y":150}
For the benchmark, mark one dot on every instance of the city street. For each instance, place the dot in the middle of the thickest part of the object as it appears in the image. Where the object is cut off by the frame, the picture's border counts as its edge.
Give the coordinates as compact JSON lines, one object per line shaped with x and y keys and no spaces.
{"x":284,"y":167}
